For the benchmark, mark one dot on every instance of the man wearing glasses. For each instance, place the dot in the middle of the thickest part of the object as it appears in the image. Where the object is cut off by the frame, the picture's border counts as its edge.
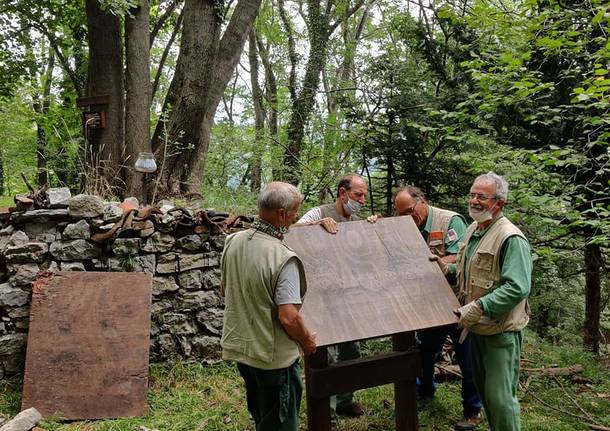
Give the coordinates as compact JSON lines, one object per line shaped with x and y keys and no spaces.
{"x":493,"y":271}
{"x":442,"y":230}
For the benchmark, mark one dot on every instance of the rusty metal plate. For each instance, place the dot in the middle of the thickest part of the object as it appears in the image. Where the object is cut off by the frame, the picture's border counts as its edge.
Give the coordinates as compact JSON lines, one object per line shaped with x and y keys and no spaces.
{"x":87,"y":352}
{"x":370,"y":280}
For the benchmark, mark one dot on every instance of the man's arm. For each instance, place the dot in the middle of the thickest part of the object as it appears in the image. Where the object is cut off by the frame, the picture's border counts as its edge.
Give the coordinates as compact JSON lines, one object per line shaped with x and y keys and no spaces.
{"x":293,"y":324}
{"x":515,"y":279}
{"x":314,"y":217}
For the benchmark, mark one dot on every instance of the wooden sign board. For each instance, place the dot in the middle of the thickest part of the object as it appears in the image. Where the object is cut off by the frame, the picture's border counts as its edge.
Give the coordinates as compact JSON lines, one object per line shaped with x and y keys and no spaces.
{"x":87,"y":352}
{"x":370,"y":280}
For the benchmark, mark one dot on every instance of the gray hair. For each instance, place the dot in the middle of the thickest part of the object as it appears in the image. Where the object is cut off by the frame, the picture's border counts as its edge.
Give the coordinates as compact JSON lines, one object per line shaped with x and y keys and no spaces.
{"x":278,"y":195}
{"x":500,"y":182}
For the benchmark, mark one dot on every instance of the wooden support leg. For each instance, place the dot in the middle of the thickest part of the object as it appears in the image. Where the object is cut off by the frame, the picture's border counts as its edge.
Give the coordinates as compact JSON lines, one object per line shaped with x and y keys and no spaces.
{"x":405,"y":392}
{"x":318,"y":409}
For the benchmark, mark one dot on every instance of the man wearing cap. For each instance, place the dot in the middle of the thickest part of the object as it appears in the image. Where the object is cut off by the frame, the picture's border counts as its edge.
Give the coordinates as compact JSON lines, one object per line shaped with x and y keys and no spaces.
{"x":442,"y":230}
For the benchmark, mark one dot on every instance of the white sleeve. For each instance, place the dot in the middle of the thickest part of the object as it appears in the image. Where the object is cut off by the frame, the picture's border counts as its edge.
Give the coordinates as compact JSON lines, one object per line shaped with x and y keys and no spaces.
{"x":313,"y":214}
{"x":288,"y":289}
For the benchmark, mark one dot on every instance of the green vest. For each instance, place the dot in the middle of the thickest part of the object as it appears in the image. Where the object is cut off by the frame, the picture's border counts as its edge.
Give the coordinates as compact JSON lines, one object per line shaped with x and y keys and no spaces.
{"x":330,"y":210}
{"x":440,"y":223}
{"x":484,"y":276}
{"x":252,"y":333}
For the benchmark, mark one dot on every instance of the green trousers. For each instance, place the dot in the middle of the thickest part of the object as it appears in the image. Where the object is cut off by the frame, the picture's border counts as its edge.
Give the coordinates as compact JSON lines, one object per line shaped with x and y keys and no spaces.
{"x":274,"y":396}
{"x":337,"y":353}
{"x":495,"y":359}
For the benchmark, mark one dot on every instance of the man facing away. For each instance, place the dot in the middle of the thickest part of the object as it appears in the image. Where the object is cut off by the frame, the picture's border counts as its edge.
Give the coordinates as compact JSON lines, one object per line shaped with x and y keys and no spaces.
{"x":442,"y":230}
{"x":263,"y":283}
{"x":351,"y":196}
{"x":493,"y":271}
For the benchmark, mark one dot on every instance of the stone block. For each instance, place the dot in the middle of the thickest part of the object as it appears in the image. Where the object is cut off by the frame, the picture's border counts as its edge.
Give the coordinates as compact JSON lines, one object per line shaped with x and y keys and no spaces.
{"x":78,"y":249}
{"x":162,"y":285}
{"x":59,"y":197}
{"x":28,"y":252}
{"x":206,"y":347}
{"x":190,"y":242}
{"x":42,"y":215}
{"x":12,"y":344}
{"x":192,"y":280}
{"x":72,"y":266}
{"x":24,"y":275}
{"x":24,"y":421}
{"x":211,"y":320}
{"x":12,"y":296}
{"x":159,"y":242}
{"x":78,"y":230}
{"x":126,"y":246}
{"x":86,"y":206}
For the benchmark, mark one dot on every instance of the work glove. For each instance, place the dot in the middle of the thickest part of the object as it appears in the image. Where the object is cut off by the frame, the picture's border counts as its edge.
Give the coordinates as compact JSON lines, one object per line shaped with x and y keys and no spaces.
{"x":441,"y":264}
{"x":469,"y":314}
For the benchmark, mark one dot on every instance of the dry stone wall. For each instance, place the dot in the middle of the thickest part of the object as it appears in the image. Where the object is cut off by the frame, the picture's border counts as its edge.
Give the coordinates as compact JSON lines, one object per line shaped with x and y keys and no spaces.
{"x":180,"y":247}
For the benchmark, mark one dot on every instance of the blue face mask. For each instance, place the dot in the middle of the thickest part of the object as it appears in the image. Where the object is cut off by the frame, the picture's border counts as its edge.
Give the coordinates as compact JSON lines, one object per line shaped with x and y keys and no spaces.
{"x":352,"y":206}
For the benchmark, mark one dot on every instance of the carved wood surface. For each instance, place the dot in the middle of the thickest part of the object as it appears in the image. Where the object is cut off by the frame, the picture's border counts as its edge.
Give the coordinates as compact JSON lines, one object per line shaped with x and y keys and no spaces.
{"x":87,"y":352}
{"x":370,"y":280}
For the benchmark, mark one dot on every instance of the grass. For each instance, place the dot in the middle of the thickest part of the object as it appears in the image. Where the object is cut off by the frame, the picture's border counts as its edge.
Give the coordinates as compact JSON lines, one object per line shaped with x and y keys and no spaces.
{"x":193,"y":397}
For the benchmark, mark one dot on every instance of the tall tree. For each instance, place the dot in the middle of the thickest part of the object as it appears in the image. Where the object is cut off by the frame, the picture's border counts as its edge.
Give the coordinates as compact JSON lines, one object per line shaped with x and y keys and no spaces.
{"x":205,"y":64}
{"x":137,"y":96}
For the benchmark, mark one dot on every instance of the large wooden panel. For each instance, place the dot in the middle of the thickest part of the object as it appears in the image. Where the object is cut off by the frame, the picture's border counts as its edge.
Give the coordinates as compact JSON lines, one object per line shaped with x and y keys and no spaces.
{"x":87,"y":353}
{"x":370,"y":280}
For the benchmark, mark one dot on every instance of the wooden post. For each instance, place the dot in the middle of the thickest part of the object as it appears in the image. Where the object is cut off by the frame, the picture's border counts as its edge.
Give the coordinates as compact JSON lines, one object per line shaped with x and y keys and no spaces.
{"x":405,"y":391}
{"x":318,"y":409}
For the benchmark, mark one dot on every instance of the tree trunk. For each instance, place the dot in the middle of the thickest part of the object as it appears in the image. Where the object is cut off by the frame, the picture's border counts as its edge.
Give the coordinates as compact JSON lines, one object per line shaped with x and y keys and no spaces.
{"x":593,"y":261}
{"x":259,"y":117}
{"x":271,"y":98}
{"x":137,"y":96}
{"x":42,"y":108}
{"x":105,"y":147}
{"x":303,"y":106}
{"x":206,"y":65}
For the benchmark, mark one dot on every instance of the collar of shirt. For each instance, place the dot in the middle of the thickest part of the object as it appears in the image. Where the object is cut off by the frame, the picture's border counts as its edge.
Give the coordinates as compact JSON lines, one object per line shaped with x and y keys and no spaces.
{"x":428,"y":225}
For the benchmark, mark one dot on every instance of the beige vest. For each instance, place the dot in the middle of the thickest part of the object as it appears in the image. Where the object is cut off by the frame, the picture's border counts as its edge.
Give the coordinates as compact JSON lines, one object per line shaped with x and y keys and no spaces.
{"x":252,"y":333}
{"x":330,"y":210}
{"x":440,"y":225}
{"x":484,"y":276}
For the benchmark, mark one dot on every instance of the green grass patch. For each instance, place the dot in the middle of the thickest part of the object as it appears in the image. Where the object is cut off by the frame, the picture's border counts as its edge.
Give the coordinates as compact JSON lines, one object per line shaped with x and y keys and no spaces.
{"x":191,"y":396}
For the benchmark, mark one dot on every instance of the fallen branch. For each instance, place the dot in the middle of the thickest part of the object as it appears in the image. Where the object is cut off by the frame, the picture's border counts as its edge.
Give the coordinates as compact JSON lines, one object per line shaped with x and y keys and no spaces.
{"x":598,"y":427}
{"x":555,"y":371}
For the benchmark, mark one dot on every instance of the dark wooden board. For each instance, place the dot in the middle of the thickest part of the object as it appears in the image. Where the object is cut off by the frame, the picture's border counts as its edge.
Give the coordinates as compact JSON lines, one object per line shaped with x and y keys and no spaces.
{"x":370,"y":280}
{"x":87,"y":352}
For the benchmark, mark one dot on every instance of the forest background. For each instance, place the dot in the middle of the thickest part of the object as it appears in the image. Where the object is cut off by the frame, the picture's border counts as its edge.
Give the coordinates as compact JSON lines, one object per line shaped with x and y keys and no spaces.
{"x":231,"y":95}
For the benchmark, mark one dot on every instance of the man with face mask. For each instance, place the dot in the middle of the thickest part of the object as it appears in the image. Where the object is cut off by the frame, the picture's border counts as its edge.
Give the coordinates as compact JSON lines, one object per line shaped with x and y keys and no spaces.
{"x":442,"y":230}
{"x":493,"y":271}
{"x":351,"y":196}
{"x":263,"y":283}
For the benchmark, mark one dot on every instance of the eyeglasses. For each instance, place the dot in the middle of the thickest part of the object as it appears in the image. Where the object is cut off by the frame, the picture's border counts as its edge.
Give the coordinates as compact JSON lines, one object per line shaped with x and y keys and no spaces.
{"x":480,"y":197}
{"x":410,"y":210}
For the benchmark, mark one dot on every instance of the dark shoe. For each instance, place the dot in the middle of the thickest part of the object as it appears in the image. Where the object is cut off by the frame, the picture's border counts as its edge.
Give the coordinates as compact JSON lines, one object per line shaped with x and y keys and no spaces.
{"x":352,"y":410}
{"x":469,"y":423}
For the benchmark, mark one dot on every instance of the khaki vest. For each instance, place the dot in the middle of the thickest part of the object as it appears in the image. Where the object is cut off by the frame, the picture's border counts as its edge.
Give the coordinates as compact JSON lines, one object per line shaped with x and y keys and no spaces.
{"x":252,"y":333}
{"x":484,"y":276}
{"x":440,"y":223}
{"x":330,"y":210}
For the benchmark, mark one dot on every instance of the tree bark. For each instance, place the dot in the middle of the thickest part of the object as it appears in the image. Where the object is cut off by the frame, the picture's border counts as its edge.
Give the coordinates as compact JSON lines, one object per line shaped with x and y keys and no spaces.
{"x":270,"y":97}
{"x":318,"y":29}
{"x":41,"y":107}
{"x":206,"y":64}
{"x":593,"y":262}
{"x":259,"y":117}
{"x":103,"y":174}
{"x":137,"y":96}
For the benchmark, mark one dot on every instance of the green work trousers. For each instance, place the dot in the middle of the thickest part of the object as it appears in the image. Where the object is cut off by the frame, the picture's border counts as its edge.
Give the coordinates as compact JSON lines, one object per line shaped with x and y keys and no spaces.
{"x":337,"y":353}
{"x":495,"y":359}
{"x":274,"y":396}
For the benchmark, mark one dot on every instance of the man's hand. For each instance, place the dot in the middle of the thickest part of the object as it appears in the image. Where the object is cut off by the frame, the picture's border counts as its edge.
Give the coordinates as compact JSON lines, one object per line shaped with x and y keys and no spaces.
{"x":441,"y":263}
{"x":469,"y":314}
{"x":373,"y":218}
{"x":329,"y":225}
{"x":309,"y":347}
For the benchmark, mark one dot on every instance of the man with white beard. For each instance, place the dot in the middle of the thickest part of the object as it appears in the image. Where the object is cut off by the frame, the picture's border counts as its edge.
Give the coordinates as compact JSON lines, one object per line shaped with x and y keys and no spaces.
{"x":493,"y":271}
